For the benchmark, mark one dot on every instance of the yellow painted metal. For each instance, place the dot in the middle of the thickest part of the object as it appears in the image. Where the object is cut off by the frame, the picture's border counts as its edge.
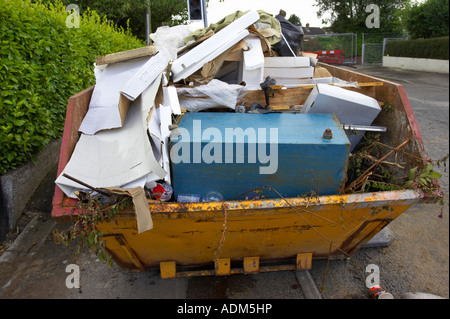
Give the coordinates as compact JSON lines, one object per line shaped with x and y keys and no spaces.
{"x":189,"y":234}
{"x":251,"y":265}
{"x":223,"y":266}
{"x":304,"y":261}
{"x":168,"y":269}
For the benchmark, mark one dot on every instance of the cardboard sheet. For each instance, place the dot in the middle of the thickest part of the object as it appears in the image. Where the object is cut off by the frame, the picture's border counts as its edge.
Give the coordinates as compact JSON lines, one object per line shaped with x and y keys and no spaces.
{"x":108,"y":108}
{"x":114,"y":158}
{"x":140,"y":203}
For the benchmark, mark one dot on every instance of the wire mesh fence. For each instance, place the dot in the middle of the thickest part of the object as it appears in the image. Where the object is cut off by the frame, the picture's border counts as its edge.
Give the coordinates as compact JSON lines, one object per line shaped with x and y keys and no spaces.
{"x":374,"y":44}
{"x":346,"y":42}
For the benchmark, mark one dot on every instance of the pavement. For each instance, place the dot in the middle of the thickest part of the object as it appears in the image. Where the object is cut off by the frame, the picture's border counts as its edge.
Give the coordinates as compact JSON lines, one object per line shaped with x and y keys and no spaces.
{"x":416,"y":261}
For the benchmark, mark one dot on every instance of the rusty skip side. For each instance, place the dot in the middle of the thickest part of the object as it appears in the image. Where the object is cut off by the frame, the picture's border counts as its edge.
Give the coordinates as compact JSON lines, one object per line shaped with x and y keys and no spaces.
{"x":270,"y":230}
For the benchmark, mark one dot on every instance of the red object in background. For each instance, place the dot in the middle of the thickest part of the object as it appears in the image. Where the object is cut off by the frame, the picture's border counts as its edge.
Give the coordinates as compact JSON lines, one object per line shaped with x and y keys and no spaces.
{"x":332,"y":56}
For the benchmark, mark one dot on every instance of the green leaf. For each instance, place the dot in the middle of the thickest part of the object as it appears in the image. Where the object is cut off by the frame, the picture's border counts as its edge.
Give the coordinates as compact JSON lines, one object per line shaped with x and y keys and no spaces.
{"x":91,"y":240}
{"x":103,"y":256}
{"x":434,"y":175}
{"x":412,"y":173}
{"x":19,"y":122}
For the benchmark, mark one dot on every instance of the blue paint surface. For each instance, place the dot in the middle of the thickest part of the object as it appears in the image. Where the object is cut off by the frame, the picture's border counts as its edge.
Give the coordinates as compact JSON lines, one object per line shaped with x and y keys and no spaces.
{"x":233,"y":153}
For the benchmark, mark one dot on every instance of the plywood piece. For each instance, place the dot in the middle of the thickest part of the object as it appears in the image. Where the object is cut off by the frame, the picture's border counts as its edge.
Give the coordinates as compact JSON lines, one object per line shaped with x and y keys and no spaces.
{"x":126,"y":55}
{"x":294,"y":96}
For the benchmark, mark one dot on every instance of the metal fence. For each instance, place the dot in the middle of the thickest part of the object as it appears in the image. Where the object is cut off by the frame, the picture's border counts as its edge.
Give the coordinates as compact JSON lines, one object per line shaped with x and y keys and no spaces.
{"x":347,"y":42}
{"x":374,"y":45}
{"x":372,"y":53}
{"x":370,"y":49}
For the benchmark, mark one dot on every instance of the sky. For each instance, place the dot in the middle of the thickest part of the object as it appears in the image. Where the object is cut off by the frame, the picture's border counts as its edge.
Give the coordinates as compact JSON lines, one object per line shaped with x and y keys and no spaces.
{"x":304,"y":9}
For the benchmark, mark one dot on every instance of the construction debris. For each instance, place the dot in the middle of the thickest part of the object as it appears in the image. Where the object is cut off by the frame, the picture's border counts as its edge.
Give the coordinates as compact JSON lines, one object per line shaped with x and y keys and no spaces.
{"x":140,"y":96}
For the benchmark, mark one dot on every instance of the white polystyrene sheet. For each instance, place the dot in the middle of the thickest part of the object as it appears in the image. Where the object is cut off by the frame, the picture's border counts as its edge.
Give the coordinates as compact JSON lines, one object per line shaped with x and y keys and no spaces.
{"x":171,"y":99}
{"x":253,"y":64}
{"x":145,"y":76}
{"x":287,"y":62}
{"x":211,"y":48}
{"x":292,"y":73}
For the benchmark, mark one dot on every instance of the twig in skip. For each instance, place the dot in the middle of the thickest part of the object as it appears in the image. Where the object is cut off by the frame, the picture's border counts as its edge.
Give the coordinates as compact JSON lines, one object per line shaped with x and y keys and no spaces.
{"x":362,"y":177}
{"x":100,"y":191}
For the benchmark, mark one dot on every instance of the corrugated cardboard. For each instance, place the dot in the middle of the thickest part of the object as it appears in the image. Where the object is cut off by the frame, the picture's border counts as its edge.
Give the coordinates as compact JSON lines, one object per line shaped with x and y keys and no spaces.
{"x":113,"y":158}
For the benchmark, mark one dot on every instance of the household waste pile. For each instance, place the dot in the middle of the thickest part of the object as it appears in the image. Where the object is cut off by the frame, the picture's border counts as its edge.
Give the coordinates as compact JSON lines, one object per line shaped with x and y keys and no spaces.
{"x":137,"y":102}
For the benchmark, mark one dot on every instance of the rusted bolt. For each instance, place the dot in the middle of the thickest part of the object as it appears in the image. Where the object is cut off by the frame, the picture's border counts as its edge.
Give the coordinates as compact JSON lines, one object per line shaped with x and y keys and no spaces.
{"x":328,"y":135}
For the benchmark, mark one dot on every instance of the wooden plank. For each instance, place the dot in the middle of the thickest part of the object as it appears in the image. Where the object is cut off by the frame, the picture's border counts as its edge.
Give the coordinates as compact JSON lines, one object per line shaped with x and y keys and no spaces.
{"x":294,"y":96}
{"x":298,"y":95}
{"x":126,"y":55}
{"x":279,"y":107}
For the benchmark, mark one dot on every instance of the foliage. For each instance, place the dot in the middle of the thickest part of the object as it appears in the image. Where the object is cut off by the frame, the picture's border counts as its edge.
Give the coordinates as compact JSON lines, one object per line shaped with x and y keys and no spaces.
{"x":326,"y":43}
{"x":381,"y":177}
{"x":428,"y":19}
{"x":436,"y":48}
{"x":295,"y":20}
{"x":133,"y":13}
{"x":43,"y":63}
{"x":350,"y":16}
{"x":93,"y":211}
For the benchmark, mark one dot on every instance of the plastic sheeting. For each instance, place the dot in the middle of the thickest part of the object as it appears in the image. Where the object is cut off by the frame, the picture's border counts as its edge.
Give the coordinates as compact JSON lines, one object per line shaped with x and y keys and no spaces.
{"x":214,"y":94}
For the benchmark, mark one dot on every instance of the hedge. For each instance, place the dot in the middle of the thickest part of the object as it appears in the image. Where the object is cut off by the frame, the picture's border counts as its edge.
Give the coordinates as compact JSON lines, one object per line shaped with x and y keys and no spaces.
{"x":42,"y":64}
{"x":435,"y":48}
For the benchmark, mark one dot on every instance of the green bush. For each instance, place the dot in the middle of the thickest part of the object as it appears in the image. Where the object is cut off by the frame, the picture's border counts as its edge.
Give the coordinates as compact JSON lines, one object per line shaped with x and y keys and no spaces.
{"x":427,"y":19}
{"x":42,"y":64}
{"x":436,"y":48}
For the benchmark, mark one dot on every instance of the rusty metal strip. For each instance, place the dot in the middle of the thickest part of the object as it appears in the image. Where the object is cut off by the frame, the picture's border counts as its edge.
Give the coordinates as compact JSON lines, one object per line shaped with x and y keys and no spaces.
{"x":130,"y":253}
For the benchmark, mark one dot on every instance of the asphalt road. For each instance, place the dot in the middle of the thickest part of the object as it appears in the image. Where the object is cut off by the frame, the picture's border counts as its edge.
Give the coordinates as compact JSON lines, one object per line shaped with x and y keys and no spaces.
{"x":416,"y":261}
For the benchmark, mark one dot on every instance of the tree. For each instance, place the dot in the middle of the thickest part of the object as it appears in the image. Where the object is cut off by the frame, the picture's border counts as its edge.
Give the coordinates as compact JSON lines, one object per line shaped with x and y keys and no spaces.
{"x":350,"y":15}
{"x":429,"y":19}
{"x":132,"y":13}
{"x":295,"y":20}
